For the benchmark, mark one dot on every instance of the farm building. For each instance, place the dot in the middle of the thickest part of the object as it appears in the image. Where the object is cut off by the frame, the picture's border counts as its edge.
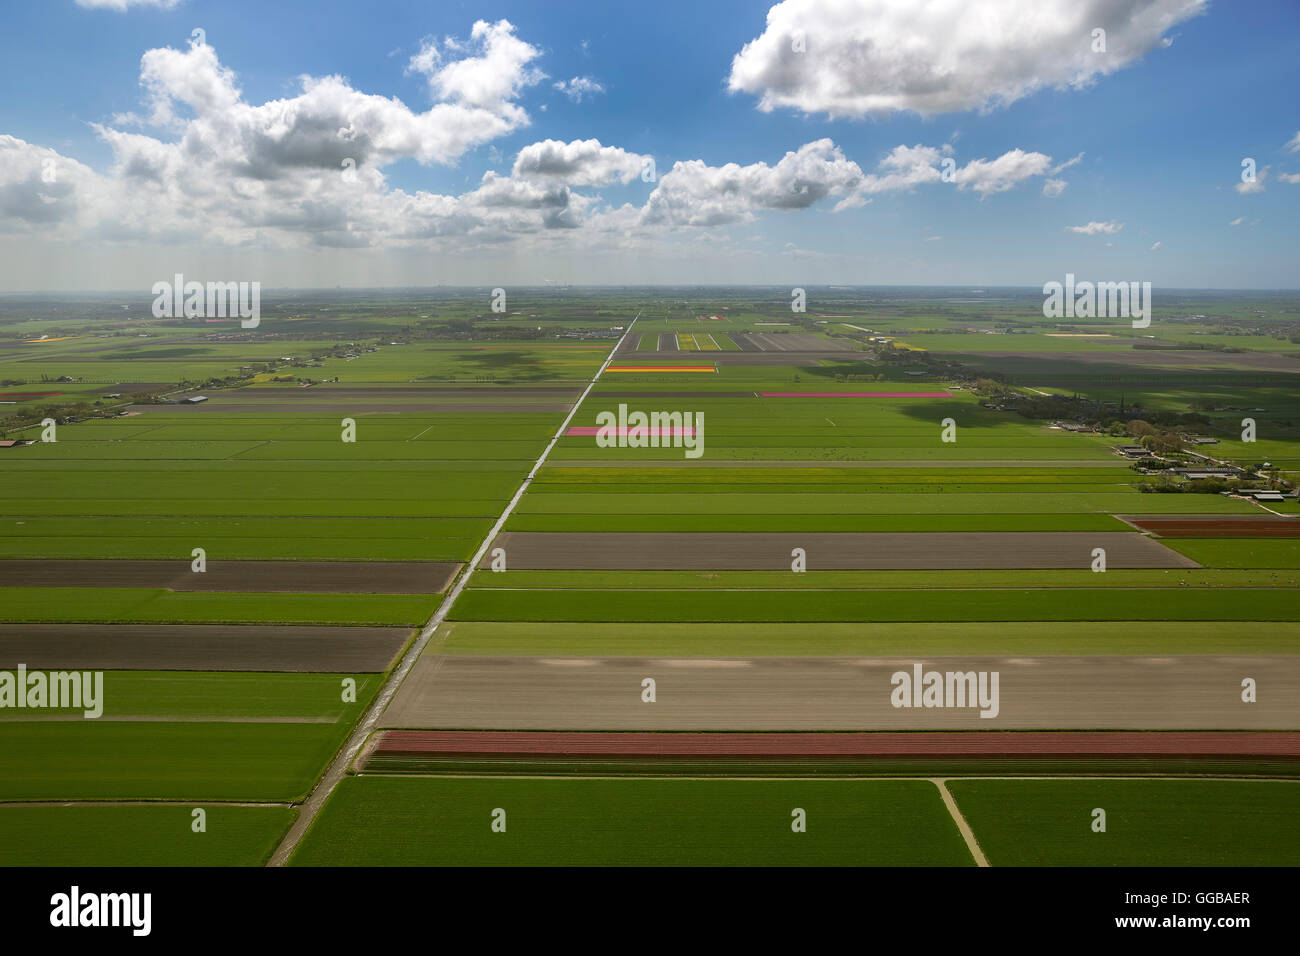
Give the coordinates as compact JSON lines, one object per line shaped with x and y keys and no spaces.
{"x":1206,"y":472}
{"x":1263,"y":494}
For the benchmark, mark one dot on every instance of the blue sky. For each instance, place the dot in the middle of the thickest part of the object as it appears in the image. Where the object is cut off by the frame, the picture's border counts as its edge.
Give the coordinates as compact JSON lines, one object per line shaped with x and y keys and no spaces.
{"x":1162,"y":140}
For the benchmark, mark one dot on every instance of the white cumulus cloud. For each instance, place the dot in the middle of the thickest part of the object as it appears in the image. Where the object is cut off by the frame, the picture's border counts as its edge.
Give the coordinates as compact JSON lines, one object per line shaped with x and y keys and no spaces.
{"x":1255,"y":185}
{"x":123,"y":5}
{"x":579,"y":163}
{"x":1097,"y":228}
{"x":579,"y":88}
{"x":490,"y":77}
{"x":693,"y":193}
{"x":852,"y":58}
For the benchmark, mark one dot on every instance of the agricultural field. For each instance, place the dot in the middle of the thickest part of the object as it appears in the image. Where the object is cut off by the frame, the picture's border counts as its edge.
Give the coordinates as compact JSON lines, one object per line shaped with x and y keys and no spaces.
{"x":437,"y":583}
{"x":239,"y":575}
{"x":394,"y":821}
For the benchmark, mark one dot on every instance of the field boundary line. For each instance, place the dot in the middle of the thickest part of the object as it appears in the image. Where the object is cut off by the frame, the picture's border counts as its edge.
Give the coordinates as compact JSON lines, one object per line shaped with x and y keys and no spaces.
{"x":431,"y":775}
{"x":5,"y":804}
{"x":962,"y":826}
{"x":337,"y":768}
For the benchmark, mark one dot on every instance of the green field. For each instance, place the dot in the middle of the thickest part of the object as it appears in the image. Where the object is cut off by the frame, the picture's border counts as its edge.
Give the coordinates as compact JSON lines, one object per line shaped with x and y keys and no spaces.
{"x":199,"y":695}
{"x":164,"y":760}
{"x":243,"y":538}
{"x":391,"y":821}
{"x":872,"y":580}
{"x":917,"y":604}
{"x":139,"y":835}
{"x":1240,"y":552}
{"x":1148,"y":822}
{"x":193,"y":735}
{"x":158,"y":605}
{"x":836,"y":503}
{"x":789,"y":639}
{"x":813,"y":522}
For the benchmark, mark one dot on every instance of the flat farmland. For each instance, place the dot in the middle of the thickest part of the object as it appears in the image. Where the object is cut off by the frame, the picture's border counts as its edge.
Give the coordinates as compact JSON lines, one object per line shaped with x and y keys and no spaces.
{"x":167,"y":735}
{"x":240,"y":537}
{"x":1241,"y":552}
{"x":241,"y":697}
{"x":139,"y":835}
{"x":1077,"y":577}
{"x":160,"y":605}
{"x":1148,"y":822}
{"x":1047,"y":502}
{"x":394,"y":821}
{"x":939,"y":531}
{"x":80,"y":759}
{"x":358,"y":577}
{"x":233,"y":687}
{"x":934,"y":754}
{"x":881,"y":551}
{"x":862,"y":639}
{"x":1128,"y":692}
{"x":913,"y":604}
{"x":804,"y":523}
{"x":128,"y":360}
{"x":178,"y":647}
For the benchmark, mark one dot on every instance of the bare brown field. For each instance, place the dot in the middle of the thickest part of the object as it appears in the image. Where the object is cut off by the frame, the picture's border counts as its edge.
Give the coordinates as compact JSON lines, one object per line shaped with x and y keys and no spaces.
{"x":1217,"y":526}
{"x":768,"y":551}
{"x":201,"y":647}
{"x":302,"y":577}
{"x":994,"y":744}
{"x":1042,"y":693}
